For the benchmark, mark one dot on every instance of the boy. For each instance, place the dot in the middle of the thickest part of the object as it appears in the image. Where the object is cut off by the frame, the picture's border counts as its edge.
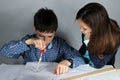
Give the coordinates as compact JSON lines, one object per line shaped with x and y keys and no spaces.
{"x":55,"y":48}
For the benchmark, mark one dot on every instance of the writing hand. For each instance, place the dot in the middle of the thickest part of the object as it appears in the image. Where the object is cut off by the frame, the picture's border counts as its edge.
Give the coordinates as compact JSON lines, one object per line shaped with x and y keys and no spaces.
{"x":40,"y":44}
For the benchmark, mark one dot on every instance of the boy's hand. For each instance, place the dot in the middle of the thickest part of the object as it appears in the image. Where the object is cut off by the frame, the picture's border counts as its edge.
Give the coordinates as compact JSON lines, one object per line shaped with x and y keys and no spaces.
{"x":40,"y":44}
{"x":62,"y":67}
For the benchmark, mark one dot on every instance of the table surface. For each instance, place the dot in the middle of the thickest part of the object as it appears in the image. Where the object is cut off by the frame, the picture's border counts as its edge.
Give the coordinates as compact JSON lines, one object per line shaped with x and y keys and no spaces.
{"x":22,"y":72}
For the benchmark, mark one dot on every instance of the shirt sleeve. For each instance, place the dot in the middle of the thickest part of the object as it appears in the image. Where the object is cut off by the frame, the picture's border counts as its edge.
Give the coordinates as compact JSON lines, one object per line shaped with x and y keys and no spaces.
{"x":98,"y":63}
{"x":71,"y":53}
{"x":14,"y":49}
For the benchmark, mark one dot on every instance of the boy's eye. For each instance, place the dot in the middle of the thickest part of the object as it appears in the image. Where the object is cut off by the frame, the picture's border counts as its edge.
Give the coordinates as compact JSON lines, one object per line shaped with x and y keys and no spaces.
{"x":49,"y":36}
{"x":41,"y":36}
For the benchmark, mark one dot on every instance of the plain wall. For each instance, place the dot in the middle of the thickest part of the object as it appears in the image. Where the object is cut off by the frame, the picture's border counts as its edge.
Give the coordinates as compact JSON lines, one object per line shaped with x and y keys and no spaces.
{"x":16,"y":20}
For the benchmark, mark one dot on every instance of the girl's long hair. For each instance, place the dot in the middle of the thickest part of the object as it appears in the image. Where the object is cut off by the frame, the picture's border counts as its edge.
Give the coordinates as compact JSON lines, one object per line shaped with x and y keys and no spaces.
{"x":105,"y":35}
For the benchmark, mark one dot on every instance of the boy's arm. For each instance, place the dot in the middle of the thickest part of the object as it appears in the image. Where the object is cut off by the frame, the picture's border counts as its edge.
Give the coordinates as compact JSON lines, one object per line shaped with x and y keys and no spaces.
{"x":76,"y":59}
{"x":13,"y":49}
{"x":72,"y":55}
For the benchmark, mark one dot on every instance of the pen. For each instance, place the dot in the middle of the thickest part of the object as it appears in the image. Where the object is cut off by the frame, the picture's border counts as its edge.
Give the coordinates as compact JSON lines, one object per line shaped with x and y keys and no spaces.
{"x":41,"y":53}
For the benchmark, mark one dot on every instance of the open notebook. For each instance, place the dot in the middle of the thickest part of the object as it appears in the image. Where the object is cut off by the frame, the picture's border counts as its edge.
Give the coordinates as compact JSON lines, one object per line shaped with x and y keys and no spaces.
{"x":45,"y":71}
{"x":83,"y":72}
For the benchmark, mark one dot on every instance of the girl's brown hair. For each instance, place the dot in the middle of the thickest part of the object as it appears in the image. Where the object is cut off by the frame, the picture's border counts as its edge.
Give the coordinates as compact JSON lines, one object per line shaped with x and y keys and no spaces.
{"x":105,"y":35}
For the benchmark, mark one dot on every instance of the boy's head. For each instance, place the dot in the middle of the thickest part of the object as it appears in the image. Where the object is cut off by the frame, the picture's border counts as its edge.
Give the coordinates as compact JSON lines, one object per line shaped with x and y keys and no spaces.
{"x":46,"y":24}
{"x":45,"y":20}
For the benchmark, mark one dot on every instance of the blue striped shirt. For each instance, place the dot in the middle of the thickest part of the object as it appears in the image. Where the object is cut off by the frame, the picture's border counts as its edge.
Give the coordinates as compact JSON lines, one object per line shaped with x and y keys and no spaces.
{"x":56,"y":51}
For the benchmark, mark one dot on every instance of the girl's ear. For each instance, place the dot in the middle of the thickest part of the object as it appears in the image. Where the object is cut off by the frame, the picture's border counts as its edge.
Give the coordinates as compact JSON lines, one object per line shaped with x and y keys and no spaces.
{"x":34,"y":28}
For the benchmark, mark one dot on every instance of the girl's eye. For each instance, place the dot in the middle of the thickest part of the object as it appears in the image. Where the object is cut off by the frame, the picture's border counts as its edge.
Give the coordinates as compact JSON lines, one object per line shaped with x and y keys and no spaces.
{"x":85,"y":29}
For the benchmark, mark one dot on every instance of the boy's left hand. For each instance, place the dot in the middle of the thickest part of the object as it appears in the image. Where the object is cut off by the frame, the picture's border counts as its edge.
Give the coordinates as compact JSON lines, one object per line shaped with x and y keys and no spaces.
{"x":62,"y":67}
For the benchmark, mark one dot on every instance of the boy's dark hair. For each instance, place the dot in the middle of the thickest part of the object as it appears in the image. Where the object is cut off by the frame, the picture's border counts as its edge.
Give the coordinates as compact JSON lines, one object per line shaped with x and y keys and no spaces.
{"x":45,"y":20}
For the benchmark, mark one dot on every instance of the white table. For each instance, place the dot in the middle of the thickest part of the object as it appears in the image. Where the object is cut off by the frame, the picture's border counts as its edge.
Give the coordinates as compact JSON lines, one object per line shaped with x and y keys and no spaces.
{"x":26,"y":72}
{"x":10,"y":72}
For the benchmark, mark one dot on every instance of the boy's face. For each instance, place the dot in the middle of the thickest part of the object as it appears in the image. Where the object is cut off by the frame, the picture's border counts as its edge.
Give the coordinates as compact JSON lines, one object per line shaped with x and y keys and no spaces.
{"x":46,"y":37}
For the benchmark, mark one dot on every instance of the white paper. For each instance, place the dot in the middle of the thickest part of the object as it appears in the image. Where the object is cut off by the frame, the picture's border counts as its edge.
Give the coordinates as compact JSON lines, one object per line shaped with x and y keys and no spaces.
{"x":10,"y":72}
{"x":77,"y":71}
{"x":45,"y":72}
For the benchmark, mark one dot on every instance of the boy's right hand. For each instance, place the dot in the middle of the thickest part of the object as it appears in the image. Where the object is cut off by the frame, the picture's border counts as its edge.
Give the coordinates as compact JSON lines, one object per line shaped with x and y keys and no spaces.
{"x":40,"y":44}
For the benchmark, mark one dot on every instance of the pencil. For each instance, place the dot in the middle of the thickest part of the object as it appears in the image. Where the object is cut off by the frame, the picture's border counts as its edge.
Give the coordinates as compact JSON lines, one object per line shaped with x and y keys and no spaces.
{"x":38,"y":64}
{"x":40,"y":59}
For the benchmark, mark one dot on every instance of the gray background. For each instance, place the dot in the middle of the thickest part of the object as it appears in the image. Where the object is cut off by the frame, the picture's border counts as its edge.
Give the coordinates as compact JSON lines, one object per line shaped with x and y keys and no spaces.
{"x":16,"y":20}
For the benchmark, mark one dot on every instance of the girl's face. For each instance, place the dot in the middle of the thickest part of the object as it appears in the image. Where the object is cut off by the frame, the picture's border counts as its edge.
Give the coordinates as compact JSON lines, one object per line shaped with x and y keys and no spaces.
{"x":84,"y":28}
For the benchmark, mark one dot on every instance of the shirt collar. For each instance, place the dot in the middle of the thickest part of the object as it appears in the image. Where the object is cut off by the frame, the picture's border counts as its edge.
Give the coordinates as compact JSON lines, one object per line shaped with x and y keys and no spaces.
{"x":50,"y":45}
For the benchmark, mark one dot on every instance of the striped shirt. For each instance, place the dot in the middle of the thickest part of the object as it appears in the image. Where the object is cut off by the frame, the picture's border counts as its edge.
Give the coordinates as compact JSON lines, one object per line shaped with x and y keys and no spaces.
{"x":56,"y":51}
